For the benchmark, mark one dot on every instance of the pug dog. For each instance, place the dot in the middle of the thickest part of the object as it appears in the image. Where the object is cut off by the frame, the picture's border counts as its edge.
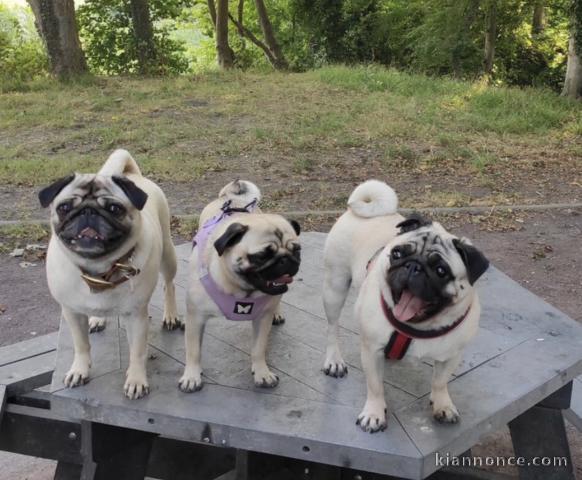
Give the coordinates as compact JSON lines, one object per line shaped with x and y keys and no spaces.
{"x":416,"y":295}
{"x":110,"y":237}
{"x":241,"y":264}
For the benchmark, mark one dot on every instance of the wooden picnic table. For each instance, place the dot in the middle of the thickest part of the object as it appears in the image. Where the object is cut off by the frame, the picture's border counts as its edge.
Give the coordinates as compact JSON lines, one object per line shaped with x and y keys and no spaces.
{"x":519,"y":371}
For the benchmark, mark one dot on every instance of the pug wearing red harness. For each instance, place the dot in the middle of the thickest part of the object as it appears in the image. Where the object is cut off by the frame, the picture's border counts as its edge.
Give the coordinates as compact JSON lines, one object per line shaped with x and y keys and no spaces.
{"x":416,"y":295}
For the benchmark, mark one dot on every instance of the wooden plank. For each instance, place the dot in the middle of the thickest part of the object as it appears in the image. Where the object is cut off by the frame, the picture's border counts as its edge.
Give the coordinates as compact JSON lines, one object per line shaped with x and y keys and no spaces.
{"x":574,"y":413}
{"x":293,"y":427}
{"x":28,"y":348}
{"x":28,"y":374}
{"x":105,"y":354}
{"x":490,"y":396}
{"x":3,"y":396}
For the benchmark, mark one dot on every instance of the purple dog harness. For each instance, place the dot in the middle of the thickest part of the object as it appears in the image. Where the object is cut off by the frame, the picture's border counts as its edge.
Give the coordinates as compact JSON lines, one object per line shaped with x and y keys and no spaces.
{"x":232,"y":307}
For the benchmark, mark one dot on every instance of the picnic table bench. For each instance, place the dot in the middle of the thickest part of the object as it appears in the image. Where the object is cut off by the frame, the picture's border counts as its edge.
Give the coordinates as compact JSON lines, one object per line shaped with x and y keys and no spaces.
{"x":520,"y":371}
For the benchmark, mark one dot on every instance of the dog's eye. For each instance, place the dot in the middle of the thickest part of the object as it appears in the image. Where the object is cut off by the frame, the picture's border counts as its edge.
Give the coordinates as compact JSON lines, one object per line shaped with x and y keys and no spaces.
{"x":64,"y":208}
{"x":396,"y":254}
{"x":115,"y":209}
{"x":441,"y":271}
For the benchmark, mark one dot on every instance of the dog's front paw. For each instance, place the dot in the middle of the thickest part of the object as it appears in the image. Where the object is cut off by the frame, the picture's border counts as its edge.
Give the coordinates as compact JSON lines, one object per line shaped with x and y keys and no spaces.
{"x":172,"y":322}
{"x":278,"y":319}
{"x":78,"y":374}
{"x":136,"y":385}
{"x":445,"y":413}
{"x":264,"y":377}
{"x":334,"y":365}
{"x":372,"y":419}
{"x":191,"y":381}
{"x":96,"y":324}
{"x":75,"y":377}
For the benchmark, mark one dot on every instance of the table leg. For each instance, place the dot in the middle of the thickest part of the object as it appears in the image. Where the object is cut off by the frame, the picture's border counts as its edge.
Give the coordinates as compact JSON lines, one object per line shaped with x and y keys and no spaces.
{"x":539,"y":436}
{"x":67,"y":471}
{"x":114,"y":452}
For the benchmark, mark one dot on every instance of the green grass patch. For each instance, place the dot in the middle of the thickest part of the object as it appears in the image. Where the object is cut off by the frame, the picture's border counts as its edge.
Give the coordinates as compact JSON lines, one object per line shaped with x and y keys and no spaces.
{"x":19,"y":235}
{"x":181,"y":128}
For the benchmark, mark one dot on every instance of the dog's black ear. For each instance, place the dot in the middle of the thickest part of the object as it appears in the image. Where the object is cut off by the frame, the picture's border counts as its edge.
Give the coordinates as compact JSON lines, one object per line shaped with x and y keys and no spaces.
{"x":234,"y":234}
{"x":135,"y":194}
{"x":475,"y":262}
{"x":48,"y":194}
{"x":295,"y":226}
{"x":413,"y":222}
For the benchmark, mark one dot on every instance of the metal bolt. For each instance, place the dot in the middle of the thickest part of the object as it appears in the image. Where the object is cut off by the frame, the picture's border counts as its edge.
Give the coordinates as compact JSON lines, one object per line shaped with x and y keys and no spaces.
{"x":206,"y":440}
{"x":357,"y":477}
{"x":72,"y":436}
{"x":223,"y":442}
{"x":306,"y":471}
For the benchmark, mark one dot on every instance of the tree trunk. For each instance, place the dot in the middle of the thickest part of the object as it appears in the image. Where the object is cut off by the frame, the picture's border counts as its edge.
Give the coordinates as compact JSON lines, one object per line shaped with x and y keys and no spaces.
{"x":538,"y":23}
{"x":143,"y":32}
{"x":223,"y":50}
{"x":212,"y":10}
{"x":490,"y":37}
{"x":271,"y":41}
{"x":56,"y":23}
{"x":573,"y":82}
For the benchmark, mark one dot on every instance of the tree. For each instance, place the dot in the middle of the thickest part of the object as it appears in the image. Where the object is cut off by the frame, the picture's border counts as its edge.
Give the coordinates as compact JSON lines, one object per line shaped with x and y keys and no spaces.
{"x":538,"y":22}
{"x":267,"y":28}
{"x":224,"y":52}
{"x":573,"y":81}
{"x":57,"y":26}
{"x":490,"y":37}
{"x":144,"y":35}
{"x":270,"y":47}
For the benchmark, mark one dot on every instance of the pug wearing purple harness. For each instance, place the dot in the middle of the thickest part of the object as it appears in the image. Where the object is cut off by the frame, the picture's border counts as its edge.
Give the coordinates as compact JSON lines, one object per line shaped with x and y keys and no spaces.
{"x":241,"y":264}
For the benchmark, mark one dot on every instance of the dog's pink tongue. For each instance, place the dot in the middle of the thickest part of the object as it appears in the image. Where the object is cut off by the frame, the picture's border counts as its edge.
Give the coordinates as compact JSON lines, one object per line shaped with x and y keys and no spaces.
{"x":284,"y":279}
{"x":407,"y":307}
{"x":88,"y":232}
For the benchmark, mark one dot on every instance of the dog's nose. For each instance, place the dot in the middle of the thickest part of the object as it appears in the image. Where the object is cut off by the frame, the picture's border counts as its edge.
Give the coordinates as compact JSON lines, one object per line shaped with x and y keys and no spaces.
{"x":88,"y":211}
{"x":413,"y":268}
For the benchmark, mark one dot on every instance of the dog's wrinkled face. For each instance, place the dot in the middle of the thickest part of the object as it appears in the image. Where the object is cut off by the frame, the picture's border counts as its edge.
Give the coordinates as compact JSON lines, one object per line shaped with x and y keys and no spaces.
{"x":430,"y":269}
{"x":93,"y":215}
{"x":263,"y":251}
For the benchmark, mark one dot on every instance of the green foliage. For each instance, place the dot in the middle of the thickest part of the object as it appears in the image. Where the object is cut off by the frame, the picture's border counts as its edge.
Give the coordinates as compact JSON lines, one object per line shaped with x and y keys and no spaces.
{"x":110,"y":46}
{"x":576,"y":6}
{"x":22,"y":55}
{"x":343,"y":31}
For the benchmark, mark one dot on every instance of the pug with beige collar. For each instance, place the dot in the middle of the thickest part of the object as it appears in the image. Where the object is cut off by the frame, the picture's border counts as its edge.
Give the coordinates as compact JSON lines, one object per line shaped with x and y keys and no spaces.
{"x":241,"y":264}
{"x":416,"y":295}
{"x":110,"y":239}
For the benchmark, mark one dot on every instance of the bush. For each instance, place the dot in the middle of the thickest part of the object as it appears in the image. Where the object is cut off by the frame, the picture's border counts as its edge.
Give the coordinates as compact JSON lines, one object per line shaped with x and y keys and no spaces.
{"x":22,"y":55}
{"x":110,"y":46}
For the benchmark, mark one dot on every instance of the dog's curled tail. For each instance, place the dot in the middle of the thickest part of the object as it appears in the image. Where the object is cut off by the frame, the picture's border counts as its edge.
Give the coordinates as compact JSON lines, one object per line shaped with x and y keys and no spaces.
{"x":373,"y":199}
{"x":242,"y":191}
{"x":120,"y":162}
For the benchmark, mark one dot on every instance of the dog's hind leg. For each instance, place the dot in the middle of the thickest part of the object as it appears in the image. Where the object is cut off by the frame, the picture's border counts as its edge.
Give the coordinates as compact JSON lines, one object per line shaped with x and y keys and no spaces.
{"x":336,"y":285}
{"x":169,"y":267}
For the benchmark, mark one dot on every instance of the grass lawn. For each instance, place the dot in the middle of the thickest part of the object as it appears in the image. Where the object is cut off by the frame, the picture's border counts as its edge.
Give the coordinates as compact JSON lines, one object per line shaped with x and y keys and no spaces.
{"x":441,"y":142}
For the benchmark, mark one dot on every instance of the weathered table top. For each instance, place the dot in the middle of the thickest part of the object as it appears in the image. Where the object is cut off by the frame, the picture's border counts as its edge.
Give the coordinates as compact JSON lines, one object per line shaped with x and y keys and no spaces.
{"x":525,"y":350}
